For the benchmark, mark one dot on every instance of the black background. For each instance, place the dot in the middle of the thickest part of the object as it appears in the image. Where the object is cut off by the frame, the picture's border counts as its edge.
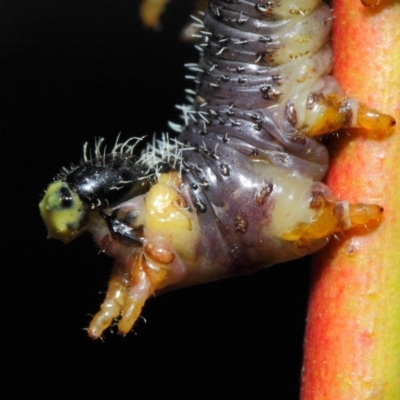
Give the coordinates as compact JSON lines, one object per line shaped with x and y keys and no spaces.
{"x":72,"y":71}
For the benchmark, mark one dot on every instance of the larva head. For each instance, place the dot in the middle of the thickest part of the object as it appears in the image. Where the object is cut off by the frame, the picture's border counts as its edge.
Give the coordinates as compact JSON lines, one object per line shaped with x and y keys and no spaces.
{"x":63,"y":212}
{"x":92,"y":186}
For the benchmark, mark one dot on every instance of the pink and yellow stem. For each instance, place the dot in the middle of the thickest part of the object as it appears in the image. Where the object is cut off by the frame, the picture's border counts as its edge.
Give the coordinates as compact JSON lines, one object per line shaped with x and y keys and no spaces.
{"x":352,"y":347}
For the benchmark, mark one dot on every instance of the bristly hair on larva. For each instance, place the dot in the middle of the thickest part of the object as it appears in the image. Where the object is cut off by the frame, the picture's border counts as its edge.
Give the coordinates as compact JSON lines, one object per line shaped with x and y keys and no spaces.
{"x":240,"y":188}
{"x":163,"y":151}
{"x":100,"y":149}
{"x":100,"y":153}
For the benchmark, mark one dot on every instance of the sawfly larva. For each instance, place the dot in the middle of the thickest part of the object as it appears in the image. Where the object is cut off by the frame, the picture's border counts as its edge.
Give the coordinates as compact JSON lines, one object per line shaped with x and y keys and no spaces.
{"x":240,"y":189}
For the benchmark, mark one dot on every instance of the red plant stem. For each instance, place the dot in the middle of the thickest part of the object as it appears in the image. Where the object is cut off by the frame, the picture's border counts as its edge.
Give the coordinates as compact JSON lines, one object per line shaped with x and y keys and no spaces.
{"x":352,"y":344}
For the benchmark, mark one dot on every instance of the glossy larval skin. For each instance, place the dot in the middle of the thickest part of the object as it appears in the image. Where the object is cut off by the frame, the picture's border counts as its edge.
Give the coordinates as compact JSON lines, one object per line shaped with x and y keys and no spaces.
{"x":240,"y":189}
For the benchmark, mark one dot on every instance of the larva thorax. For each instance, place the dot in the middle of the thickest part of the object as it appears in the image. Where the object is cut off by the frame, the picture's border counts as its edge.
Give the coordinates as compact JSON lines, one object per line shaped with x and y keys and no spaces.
{"x":240,"y":189}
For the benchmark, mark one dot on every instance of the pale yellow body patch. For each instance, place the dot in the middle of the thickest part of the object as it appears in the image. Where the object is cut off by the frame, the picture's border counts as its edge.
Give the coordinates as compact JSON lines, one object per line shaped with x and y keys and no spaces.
{"x":291,"y":205}
{"x":166,"y":216}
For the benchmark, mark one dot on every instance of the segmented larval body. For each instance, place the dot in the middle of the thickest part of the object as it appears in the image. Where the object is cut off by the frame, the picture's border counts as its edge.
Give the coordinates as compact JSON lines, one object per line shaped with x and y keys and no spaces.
{"x":240,"y":189}
{"x":255,"y":167}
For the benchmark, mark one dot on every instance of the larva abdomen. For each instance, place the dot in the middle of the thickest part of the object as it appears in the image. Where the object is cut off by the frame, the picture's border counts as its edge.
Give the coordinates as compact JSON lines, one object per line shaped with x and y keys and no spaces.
{"x":240,"y":189}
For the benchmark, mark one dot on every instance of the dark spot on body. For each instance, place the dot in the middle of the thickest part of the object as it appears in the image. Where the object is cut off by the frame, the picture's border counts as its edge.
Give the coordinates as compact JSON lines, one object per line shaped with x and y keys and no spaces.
{"x":263,"y":193}
{"x":291,"y":114}
{"x":313,"y":99}
{"x":240,"y":222}
{"x":254,"y":153}
{"x":317,"y":200}
{"x":225,"y":170}
{"x":269,"y":92}
{"x":267,"y":56}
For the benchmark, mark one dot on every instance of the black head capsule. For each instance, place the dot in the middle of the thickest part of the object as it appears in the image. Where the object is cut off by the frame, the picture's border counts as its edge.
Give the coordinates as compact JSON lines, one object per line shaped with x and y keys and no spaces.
{"x":92,"y":186}
{"x":108,"y":181}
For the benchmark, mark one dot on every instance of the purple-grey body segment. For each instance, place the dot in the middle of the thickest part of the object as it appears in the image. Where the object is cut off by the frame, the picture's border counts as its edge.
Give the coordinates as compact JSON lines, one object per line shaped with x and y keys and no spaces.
{"x":239,"y":121}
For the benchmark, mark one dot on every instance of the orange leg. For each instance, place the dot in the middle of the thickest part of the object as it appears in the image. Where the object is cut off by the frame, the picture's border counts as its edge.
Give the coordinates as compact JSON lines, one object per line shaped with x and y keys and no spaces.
{"x":126,"y":295}
{"x":329,"y":113}
{"x":331,"y":216}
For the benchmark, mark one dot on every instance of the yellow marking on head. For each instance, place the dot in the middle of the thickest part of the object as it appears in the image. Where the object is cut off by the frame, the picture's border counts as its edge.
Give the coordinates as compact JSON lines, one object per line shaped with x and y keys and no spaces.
{"x":63,"y":216}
